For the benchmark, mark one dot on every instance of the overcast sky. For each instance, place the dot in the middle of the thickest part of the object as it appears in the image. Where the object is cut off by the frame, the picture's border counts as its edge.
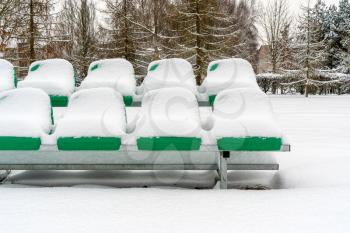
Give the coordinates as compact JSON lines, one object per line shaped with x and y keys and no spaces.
{"x":296,"y":4}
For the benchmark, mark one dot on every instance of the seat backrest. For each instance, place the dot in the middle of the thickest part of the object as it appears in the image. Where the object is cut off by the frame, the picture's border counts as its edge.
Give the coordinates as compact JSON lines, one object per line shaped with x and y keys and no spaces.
{"x":244,"y":112}
{"x":173,"y":72}
{"x":53,"y":70}
{"x":93,"y":112}
{"x":7,"y":75}
{"x":25,"y":112}
{"x":169,"y":112}
{"x":116,"y":73}
{"x":242,"y":102}
{"x":229,"y":73}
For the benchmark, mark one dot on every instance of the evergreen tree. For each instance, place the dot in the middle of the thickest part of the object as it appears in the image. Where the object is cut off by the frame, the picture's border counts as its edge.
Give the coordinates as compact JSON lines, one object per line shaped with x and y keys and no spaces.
{"x":310,"y":46}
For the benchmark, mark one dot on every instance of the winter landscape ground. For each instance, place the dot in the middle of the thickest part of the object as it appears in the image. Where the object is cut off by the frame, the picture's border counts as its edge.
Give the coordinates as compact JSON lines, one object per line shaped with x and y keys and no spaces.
{"x":310,"y":193}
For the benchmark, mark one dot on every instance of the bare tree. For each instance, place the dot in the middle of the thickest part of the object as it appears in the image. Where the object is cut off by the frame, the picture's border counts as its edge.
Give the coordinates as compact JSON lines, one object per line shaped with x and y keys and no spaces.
{"x":77,"y":22}
{"x":275,"y":21}
{"x":9,"y":21}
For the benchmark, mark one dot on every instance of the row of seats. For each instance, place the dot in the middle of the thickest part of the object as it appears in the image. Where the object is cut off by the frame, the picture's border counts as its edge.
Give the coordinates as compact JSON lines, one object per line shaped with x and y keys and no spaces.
{"x":169,"y":119}
{"x":56,"y":78}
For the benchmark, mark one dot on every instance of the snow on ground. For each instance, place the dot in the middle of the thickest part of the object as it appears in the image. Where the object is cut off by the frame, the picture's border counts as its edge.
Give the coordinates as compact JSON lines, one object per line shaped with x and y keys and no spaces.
{"x":311,"y":192}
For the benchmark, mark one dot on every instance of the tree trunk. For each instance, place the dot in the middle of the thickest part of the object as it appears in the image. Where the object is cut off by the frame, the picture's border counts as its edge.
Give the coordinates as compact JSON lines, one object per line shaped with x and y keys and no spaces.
{"x":199,"y":62}
{"x":31,"y":32}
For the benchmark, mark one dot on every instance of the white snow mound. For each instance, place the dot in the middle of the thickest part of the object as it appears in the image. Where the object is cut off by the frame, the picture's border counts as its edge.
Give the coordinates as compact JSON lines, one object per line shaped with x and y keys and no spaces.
{"x":97,"y":112}
{"x":229,"y":73}
{"x":25,"y":112}
{"x":173,"y":72}
{"x":244,"y":112}
{"x":54,"y":76}
{"x":169,"y":112}
{"x":116,"y":73}
{"x":7,"y":81}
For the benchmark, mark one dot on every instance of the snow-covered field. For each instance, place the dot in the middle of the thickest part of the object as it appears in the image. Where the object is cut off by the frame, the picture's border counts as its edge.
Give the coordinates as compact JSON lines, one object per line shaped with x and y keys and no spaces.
{"x":311,"y":192}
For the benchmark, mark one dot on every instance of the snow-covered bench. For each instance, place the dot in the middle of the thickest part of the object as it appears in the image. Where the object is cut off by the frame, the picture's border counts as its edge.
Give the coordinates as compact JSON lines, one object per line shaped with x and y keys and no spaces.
{"x":8,"y":78}
{"x":114,"y":73}
{"x":25,"y":118}
{"x":243,"y":120}
{"x":169,"y":120}
{"x":172,"y":72}
{"x":94,"y":120}
{"x":227,"y":74}
{"x":55,"y":77}
{"x":166,"y":135}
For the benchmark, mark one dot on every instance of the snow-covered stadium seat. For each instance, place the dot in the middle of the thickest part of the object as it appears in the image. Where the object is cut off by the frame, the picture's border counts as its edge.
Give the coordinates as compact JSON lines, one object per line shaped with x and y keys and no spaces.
{"x":55,"y":77}
{"x":228,"y":73}
{"x":169,"y":120}
{"x":7,"y":76}
{"x":173,"y":72}
{"x":25,"y":118}
{"x":94,"y":120}
{"x":116,"y":73}
{"x":244,"y":121}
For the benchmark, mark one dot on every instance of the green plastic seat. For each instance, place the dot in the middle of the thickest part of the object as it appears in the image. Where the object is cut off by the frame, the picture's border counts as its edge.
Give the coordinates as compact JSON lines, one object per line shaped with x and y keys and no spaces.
{"x":8,"y":78}
{"x":250,"y":144}
{"x":115,"y":73}
{"x":244,"y":121}
{"x":25,"y":117}
{"x":169,"y":120}
{"x":95,"y":120}
{"x":168,"y":73}
{"x":169,"y":143}
{"x":228,"y":74}
{"x":54,"y":76}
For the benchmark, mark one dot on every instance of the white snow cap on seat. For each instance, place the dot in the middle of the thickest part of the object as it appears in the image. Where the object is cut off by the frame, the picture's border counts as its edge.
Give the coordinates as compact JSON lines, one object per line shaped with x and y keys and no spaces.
{"x":116,"y":73}
{"x":229,"y":73}
{"x":97,"y":112}
{"x":7,"y":79}
{"x":244,"y":112}
{"x":169,"y":112}
{"x":25,"y":112}
{"x":173,"y":72}
{"x":54,"y":76}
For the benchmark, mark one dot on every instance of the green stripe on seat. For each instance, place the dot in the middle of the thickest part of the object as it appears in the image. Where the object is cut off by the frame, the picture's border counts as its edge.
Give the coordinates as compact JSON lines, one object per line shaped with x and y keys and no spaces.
{"x":169,"y":143}
{"x":19,"y":143}
{"x":128,"y":100}
{"x":212,"y":100}
{"x":89,"y":143}
{"x":59,"y":101}
{"x":250,"y":144}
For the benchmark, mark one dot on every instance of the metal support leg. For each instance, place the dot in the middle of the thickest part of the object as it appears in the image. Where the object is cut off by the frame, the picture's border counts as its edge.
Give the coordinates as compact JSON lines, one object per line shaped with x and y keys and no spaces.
{"x":224,"y":155}
{"x":4,"y":176}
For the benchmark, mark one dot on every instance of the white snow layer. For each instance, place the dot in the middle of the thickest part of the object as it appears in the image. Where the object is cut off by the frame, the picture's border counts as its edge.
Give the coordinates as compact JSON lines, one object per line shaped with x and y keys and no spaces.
{"x":25,"y":112}
{"x":244,"y":112}
{"x":227,"y":74}
{"x":172,"y":72}
{"x":6,"y":75}
{"x":114,"y":73}
{"x":169,"y":112}
{"x":54,"y":76}
{"x":311,"y":190}
{"x":98,"y":112}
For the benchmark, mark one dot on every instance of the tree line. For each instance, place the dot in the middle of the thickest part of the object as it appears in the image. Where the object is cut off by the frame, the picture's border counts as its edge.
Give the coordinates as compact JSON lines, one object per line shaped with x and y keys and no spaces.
{"x":139,"y":30}
{"x":309,"y":54}
{"x":306,"y":54}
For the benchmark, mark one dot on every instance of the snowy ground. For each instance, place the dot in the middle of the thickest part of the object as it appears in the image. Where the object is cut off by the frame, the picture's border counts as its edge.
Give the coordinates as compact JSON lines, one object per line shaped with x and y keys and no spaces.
{"x":311,"y":192}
